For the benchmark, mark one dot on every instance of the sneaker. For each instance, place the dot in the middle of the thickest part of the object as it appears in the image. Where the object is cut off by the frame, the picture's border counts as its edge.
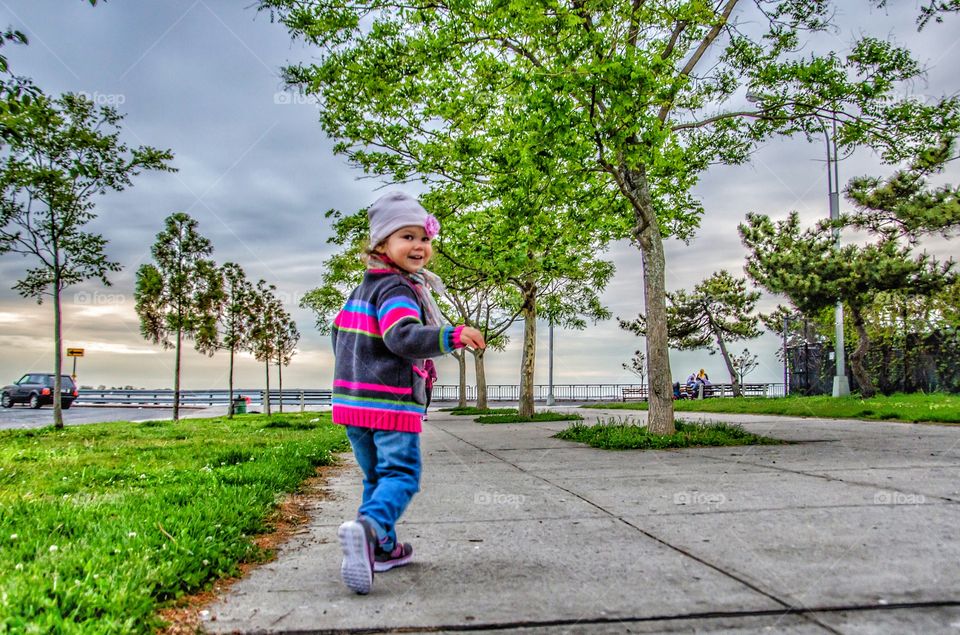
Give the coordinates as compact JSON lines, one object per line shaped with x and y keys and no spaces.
{"x":384,"y":561}
{"x":357,"y":541}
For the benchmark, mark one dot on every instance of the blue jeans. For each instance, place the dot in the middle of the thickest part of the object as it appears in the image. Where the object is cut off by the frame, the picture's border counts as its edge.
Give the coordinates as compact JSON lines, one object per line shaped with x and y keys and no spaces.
{"x":391,"y":476}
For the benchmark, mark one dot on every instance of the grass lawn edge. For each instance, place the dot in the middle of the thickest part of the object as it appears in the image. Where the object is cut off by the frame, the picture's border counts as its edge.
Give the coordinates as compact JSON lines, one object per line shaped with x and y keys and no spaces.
{"x":627,"y":435}
{"x":183,"y":616}
{"x":915,"y":408}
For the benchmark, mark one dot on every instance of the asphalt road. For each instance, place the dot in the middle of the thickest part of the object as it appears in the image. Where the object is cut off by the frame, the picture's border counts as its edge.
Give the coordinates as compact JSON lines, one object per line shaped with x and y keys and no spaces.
{"x":20,"y":417}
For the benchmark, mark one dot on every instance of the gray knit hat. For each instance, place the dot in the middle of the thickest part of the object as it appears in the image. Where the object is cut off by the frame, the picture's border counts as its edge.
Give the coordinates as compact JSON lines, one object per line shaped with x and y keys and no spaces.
{"x":396,"y":210}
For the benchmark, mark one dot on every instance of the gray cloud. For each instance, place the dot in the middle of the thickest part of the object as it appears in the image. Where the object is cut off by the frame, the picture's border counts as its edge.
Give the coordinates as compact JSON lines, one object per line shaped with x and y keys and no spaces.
{"x":202,"y":77}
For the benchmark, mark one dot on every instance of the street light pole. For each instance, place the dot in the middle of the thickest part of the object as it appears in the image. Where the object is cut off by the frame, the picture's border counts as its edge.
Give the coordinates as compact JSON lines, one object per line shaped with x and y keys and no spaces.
{"x":841,"y":385}
{"x":550,"y":400}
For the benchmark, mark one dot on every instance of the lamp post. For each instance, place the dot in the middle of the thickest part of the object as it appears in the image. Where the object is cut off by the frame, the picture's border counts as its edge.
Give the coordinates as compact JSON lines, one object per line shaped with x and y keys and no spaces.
{"x":841,"y":385}
{"x":786,"y":360}
{"x":550,"y":400}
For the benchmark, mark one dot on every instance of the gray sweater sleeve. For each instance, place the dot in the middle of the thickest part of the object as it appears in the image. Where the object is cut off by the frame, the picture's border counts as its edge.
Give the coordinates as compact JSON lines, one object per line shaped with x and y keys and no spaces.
{"x":404,"y":333}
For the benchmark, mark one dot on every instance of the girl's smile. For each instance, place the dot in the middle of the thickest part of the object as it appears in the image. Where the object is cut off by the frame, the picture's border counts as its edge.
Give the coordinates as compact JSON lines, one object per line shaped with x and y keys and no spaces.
{"x":409,"y":248}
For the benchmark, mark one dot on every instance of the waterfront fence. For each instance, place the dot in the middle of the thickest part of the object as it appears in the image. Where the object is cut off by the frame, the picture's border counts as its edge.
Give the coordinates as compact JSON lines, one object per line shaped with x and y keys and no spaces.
{"x":297,"y":397}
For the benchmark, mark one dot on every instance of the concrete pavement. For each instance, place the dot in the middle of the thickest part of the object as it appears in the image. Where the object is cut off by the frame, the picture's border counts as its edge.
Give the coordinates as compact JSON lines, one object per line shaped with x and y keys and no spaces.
{"x":853,"y":528}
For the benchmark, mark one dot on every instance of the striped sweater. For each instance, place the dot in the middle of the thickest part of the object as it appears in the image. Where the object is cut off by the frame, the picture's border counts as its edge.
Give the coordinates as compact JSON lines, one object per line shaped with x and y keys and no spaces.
{"x":380,"y":342}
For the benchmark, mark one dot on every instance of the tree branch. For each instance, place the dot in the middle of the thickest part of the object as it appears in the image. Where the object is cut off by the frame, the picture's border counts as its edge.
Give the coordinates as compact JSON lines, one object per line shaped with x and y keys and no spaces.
{"x":699,"y":53}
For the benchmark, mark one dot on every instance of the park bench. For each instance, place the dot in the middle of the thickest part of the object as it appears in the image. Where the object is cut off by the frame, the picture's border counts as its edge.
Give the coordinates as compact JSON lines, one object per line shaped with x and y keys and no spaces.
{"x":725,"y":390}
{"x":633,"y":394}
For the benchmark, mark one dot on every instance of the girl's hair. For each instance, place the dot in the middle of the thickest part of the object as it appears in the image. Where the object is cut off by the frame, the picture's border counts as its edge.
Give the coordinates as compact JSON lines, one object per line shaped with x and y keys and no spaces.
{"x":367,"y":250}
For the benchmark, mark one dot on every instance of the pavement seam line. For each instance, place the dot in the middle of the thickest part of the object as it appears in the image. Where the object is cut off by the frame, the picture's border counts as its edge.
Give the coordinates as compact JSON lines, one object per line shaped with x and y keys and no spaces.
{"x":708,"y":615}
{"x":717,"y":568}
{"x":827,"y":477}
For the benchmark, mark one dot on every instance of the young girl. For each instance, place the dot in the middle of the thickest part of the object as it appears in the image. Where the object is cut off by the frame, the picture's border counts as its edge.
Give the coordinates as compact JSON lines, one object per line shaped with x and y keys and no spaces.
{"x":381,"y":338}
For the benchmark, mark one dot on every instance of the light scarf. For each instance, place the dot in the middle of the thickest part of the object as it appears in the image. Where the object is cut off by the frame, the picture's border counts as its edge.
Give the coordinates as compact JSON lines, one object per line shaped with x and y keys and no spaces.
{"x":423,"y":282}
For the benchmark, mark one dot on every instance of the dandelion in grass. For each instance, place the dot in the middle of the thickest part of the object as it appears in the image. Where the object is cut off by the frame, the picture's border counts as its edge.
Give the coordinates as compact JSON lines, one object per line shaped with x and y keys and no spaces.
{"x":54,"y":548}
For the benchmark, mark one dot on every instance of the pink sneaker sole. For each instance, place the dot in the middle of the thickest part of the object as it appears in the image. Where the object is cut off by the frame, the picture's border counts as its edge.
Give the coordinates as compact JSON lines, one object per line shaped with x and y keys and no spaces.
{"x":356,"y":570}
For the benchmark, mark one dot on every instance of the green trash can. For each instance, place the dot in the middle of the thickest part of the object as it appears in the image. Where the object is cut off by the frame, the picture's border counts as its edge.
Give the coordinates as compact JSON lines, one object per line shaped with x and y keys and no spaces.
{"x":239,"y":405}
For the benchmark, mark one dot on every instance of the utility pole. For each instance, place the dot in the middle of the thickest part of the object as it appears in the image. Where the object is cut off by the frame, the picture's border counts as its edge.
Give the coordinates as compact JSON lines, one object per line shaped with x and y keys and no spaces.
{"x":841,"y":385}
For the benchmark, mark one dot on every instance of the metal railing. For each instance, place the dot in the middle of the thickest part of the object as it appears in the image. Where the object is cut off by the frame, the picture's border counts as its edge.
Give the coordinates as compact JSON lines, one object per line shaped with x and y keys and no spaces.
{"x":291,"y":397}
{"x":586,"y":392}
{"x":441,"y":392}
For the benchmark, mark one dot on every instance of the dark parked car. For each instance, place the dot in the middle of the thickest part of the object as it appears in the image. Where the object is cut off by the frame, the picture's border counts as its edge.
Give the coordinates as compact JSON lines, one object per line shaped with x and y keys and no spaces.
{"x":36,"y":389}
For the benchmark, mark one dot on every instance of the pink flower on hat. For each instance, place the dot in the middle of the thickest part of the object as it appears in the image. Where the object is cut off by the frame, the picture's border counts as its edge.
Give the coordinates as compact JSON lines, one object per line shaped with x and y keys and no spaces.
{"x":431,"y":225}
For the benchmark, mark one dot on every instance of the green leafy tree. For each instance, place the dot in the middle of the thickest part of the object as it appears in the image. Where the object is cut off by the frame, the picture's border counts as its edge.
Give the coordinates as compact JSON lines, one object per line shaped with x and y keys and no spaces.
{"x":66,"y":152}
{"x":483,"y":308}
{"x":718,"y":311}
{"x":13,"y":36}
{"x":287,"y":336}
{"x":933,"y":10}
{"x":796,"y":326}
{"x":236,"y":316}
{"x":808,"y":268}
{"x":633,"y":98}
{"x":533,"y":254}
{"x":904,"y":206}
{"x":517,"y":262}
{"x":180,"y":295}
{"x":16,"y":93}
{"x":266,"y":331}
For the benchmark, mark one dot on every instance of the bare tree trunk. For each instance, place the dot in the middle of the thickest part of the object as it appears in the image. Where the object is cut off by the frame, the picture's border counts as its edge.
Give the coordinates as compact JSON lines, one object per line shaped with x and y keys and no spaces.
{"x":176,"y":377}
{"x":462,"y":362}
{"x":647,"y":235}
{"x":481,"y":378}
{"x":58,"y":354}
{"x":734,"y":375}
{"x":528,"y":362}
{"x":266,"y":395}
{"x":859,"y":355}
{"x":660,"y":386}
{"x":280,"y":383}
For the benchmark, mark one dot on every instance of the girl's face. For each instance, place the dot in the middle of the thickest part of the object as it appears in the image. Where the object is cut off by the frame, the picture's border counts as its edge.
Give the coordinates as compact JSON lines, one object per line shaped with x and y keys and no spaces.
{"x":409,"y":248}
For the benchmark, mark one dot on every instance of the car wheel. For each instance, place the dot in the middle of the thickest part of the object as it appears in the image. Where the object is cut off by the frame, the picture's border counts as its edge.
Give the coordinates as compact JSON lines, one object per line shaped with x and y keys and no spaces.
{"x":7,"y":401}
{"x":34,"y":401}
{"x":66,"y":404}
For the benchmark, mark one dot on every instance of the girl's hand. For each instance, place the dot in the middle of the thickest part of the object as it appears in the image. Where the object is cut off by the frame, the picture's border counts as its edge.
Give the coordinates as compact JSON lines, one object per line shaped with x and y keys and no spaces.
{"x":471,"y":337}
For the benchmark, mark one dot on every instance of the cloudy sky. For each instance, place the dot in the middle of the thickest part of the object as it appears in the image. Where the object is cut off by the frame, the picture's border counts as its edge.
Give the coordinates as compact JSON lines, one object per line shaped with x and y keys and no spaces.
{"x":201,"y":77}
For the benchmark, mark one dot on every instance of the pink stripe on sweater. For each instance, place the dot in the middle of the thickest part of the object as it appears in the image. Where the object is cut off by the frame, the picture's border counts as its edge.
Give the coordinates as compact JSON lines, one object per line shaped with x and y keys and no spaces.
{"x":377,"y":419}
{"x":357,"y":322}
{"x":395,"y":315}
{"x":358,"y":385}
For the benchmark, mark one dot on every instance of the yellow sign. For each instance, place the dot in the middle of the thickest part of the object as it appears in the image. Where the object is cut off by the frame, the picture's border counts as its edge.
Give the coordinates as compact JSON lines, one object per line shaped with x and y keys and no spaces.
{"x":74,"y":352}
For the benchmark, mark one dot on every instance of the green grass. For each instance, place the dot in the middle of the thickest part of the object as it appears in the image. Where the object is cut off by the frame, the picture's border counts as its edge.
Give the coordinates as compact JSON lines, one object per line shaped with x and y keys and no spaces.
{"x":513,"y":417}
{"x":470,"y":410}
{"x":916,"y":407}
{"x":619,"y":434}
{"x":101,"y":525}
